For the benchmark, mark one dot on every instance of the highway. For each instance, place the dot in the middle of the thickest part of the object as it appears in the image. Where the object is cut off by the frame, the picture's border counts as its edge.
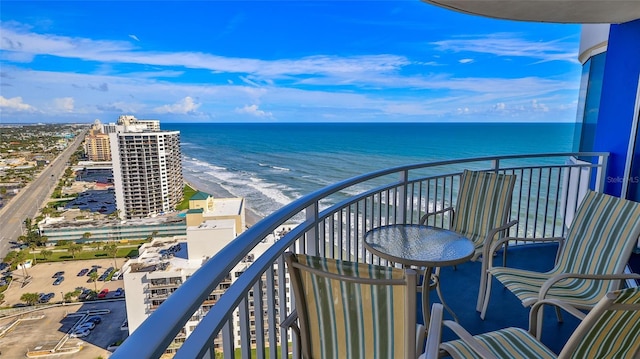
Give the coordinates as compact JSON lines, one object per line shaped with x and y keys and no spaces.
{"x":32,"y":197}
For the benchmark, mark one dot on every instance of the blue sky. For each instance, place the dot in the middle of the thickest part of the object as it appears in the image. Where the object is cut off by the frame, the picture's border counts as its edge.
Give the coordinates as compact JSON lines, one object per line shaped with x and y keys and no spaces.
{"x":280,"y":61}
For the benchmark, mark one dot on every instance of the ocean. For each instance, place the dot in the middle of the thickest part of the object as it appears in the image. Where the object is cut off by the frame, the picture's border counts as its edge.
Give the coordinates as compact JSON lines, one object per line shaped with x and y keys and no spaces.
{"x":272,"y":164}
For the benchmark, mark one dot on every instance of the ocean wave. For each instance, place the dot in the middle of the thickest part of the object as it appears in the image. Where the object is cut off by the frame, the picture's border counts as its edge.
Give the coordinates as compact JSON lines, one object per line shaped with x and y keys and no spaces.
{"x":274,"y":167}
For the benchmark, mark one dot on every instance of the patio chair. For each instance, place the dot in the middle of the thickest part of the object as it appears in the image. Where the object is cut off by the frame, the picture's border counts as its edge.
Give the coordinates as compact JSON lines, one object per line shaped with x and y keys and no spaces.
{"x":610,"y":330}
{"x":481,"y":213}
{"x":590,"y":260}
{"x":353,"y":310}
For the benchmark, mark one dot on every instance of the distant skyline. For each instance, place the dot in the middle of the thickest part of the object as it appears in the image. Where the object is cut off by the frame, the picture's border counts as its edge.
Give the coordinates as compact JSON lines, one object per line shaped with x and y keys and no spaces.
{"x":280,"y":61}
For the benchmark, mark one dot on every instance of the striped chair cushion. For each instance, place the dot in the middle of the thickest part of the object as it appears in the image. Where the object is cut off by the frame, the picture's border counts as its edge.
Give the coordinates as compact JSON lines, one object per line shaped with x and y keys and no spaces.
{"x":505,"y":343}
{"x":354,"y":320}
{"x":615,"y":334}
{"x":483,"y":203}
{"x":602,"y":235}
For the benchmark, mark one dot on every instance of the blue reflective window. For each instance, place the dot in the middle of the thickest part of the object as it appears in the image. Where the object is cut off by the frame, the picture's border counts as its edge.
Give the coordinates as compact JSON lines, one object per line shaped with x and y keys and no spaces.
{"x":589,"y":102}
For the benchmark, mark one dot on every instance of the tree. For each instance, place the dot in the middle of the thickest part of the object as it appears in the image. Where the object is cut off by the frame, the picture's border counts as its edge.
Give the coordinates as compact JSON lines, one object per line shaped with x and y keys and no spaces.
{"x":19,"y":259}
{"x":30,"y":298}
{"x":94,"y":278}
{"x":86,"y":235}
{"x":112,"y":251}
{"x":46,"y":254}
{"x":74,"y":248}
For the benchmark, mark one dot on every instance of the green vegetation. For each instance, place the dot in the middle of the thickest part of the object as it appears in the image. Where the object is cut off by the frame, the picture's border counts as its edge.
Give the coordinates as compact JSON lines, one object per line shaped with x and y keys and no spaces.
{"x":238,"y":353}
{"x":58,"y":255}
{"x":187,"y":193}
{"x":30,"y":298}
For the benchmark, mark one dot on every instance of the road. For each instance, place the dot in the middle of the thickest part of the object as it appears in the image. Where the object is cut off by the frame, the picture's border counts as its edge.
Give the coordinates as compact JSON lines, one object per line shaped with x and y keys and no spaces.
{"x":32,"y":197}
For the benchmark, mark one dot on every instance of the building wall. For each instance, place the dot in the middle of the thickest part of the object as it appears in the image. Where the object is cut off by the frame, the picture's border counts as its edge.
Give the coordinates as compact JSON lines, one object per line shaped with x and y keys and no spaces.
{"x":207,"y":240}
{"x":617,"y":111}
{"x":147,"y":173}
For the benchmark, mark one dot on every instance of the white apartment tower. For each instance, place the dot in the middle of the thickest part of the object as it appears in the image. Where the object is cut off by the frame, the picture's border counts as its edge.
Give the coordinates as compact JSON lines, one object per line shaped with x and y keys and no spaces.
{"x":147,"y":171}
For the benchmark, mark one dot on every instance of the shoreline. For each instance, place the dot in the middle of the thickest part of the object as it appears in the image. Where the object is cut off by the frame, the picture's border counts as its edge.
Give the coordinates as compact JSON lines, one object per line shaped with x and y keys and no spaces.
{"x":217,"y":191}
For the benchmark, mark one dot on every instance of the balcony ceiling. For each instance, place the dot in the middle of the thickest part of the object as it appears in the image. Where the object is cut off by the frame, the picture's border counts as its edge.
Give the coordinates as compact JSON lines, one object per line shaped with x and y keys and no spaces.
{"x":559,"y":11}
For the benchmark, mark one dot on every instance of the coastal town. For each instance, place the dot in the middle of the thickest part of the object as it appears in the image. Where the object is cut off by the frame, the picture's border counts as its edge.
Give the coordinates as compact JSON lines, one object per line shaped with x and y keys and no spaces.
{"x":110,"y":231}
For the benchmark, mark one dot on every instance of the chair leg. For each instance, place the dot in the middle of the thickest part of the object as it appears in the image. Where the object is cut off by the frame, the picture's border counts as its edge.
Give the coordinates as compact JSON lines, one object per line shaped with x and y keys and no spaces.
{"x":487,"y":295}
{"x":483,"y":285}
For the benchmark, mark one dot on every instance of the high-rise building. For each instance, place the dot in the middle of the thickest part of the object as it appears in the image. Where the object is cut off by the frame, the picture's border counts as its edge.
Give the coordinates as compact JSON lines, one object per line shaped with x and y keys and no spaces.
{"x":147,"y":171}
{"x":96,"y":144}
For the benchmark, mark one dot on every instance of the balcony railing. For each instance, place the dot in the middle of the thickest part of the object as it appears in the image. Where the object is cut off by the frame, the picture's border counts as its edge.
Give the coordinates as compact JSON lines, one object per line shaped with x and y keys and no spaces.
{"x":332,"y":222}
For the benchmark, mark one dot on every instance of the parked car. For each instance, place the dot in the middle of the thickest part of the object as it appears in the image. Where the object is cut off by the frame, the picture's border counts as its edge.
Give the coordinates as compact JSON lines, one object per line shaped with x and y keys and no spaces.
{"x":118,"y":292}
{"x":84,"y":294}
{"x":87,"y":325}
{"x":103,"y":293}
{"x":93,"y":270}
{"x":58,"y":274}
{"x":58,"y":280}
{"x":80,"y":333}
{"x":83,"y":272}
{"x":95,"y":319}
{"x":45,"y":298}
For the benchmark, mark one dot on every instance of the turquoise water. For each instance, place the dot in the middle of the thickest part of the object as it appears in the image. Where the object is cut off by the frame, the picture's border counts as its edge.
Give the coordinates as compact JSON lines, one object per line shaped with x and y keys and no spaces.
{"x":273,"y":164}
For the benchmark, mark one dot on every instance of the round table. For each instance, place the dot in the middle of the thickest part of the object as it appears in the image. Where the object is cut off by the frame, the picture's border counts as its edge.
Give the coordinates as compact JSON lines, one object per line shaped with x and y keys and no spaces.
{"x":420,"y":246}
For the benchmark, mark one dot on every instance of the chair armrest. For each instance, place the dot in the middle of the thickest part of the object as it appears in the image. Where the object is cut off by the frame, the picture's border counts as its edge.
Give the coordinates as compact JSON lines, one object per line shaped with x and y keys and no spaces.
{"x":548,"y":284}
{"x":492,"y":233}
{"x":499,"y":243}
{"x":290,"y":322}
{"x":434,"y":336}
{"x":534,"y":320}
{"x":423,"y":219}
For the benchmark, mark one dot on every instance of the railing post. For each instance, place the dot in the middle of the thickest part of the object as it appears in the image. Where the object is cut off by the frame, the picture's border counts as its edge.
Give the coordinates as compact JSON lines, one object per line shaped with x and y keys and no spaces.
{"x":312,"y":236}
{"x":602,"y":173}
{"x":495,"y":164}
{"x":401,"y":201}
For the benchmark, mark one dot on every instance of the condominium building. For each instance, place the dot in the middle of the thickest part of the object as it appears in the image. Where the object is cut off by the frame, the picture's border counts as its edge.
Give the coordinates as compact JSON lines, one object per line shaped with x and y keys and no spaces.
{"x":147,"y":171}
{"x":96,"y":144}
{"x":164,"y":264}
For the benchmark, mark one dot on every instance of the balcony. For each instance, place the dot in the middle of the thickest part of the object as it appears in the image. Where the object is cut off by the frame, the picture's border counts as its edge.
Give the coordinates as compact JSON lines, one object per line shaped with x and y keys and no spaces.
{"x":332,"y":222}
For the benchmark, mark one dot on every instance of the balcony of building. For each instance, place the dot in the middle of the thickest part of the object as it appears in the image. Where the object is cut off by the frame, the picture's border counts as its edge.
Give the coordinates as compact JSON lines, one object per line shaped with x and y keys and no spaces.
{"x":332,"y":222}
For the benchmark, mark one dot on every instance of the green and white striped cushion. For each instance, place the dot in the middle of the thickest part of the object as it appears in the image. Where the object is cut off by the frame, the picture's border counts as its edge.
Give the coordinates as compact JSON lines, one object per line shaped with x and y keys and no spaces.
{"x":505,"y":343}
{"x":482,"y":204}
{"x":616,"y":334}
{"x":361,"y":320}
{"x":600,"y":240}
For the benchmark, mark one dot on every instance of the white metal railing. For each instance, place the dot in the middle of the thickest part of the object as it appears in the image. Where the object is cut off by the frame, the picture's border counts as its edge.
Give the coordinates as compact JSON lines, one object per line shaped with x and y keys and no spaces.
{"x":245,"y":320}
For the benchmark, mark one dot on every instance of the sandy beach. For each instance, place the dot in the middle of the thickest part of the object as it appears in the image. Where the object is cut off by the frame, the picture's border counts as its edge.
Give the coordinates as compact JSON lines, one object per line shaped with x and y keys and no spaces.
{"x":217,"y":191}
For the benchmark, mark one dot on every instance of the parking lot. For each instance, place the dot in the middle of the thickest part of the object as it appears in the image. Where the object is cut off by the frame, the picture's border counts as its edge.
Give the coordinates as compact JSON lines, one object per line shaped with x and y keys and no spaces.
{"x":46,"y":329}
{"x":42,"y":279}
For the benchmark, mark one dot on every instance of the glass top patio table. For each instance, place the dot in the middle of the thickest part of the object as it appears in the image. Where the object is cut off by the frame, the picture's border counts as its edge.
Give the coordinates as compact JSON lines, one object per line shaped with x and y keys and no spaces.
{"x":420,"y":246}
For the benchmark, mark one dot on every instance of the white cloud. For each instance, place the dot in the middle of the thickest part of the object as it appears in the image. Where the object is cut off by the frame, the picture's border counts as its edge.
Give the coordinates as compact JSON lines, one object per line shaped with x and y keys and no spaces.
{"x":465,"y":61}
{"x":22,"y":44}
{"x":504,"y":44}
{"x":134,"y":37}
{"x":14,"y":104}
{"x":184,"y":106}
{"x":64,"y":104}
{"x":254,"y":111}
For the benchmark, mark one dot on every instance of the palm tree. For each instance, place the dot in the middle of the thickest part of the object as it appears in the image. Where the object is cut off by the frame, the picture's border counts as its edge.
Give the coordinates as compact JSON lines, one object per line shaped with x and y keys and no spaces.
{"x":19,"y":260}
{"x":74,"y":248}
{"x":86,"y":235}
{"x":46,"y":254}
{"x":94,"y":279}
{"x":30,"y":298}
{"x":112,"y":251}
